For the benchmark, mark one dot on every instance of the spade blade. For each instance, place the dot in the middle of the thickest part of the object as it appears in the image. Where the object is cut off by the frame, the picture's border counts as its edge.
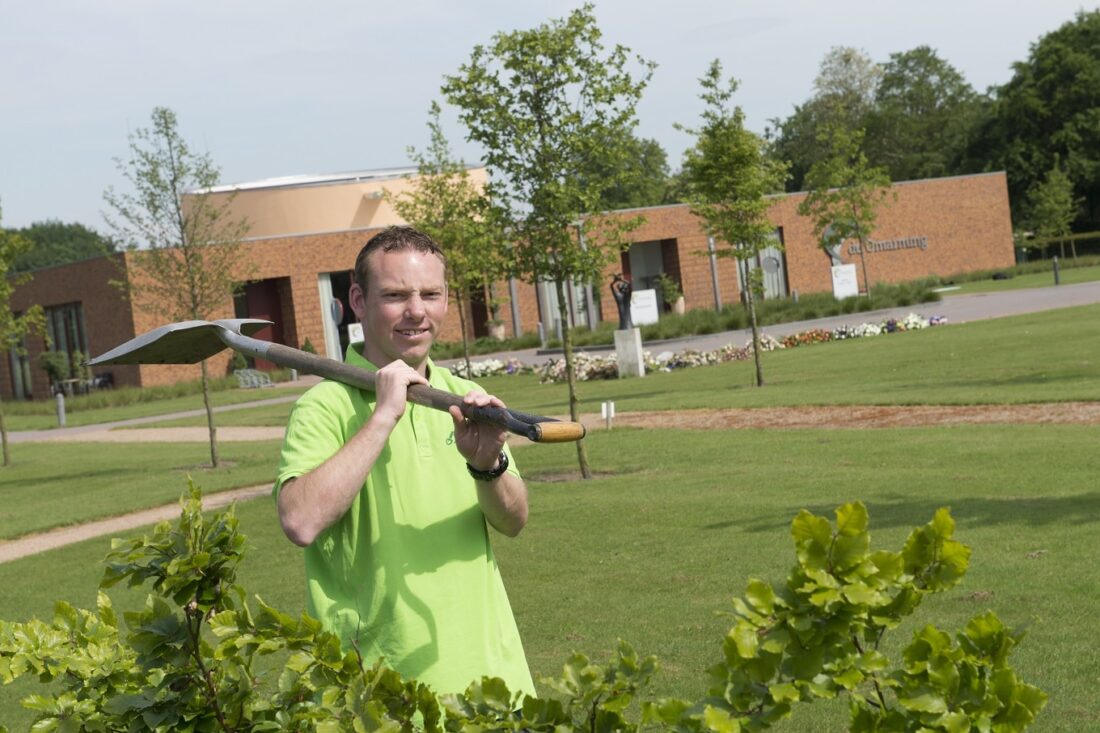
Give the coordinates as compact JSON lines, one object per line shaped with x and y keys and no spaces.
{"x":187,"y":342}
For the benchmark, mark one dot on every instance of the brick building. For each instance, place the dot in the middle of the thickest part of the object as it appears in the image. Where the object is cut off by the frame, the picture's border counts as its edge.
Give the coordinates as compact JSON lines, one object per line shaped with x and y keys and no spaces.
{"x":306,"y":231}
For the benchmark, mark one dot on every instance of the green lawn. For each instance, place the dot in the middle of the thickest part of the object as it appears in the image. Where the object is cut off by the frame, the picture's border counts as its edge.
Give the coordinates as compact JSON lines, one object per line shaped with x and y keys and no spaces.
{"x":1067,"y":276}
{"x":677,"y":521}
{"x":53,"y":484}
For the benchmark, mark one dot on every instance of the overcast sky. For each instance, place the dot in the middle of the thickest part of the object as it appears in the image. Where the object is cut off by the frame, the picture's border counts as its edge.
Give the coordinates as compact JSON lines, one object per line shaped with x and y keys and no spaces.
{"x":279,"y":88}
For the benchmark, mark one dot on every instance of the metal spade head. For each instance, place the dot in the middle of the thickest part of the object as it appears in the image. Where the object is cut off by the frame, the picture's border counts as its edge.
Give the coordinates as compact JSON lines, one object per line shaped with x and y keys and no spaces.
{"x":186,"y":342}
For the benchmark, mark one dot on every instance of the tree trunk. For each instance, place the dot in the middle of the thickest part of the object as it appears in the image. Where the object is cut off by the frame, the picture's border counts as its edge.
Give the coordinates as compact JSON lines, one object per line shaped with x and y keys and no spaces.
{"x":571,"y":378}
{"x":750,"y":300}
{"x":863,"y":261}
{"x":465,"y":338}
{"x":4,"y":436}
{"x":209,"y":416}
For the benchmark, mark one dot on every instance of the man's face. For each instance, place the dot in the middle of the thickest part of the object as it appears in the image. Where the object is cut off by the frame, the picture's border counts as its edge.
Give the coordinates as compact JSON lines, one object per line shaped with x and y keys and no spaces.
{"x":403,"y":307}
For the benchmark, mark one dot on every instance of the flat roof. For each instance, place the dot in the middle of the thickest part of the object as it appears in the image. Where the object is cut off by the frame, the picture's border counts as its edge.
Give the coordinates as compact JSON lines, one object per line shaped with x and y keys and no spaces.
{"x":305,"y":180}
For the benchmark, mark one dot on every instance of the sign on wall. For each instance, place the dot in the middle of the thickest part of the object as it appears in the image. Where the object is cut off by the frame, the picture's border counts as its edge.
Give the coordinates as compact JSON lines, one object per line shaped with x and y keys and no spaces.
{"x":845,"y":284}
{"x":643,"y":307}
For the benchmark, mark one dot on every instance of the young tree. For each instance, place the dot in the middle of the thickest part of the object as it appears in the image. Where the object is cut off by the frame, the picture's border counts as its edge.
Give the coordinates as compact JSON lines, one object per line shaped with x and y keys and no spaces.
{"x":546,"y":104}
{"x":845,"y":192}
{"x":728,"y":174}
{"x":185,"y":259}
{"x":14,"y":328}
{"x":450,"y":207}
{"x":1052,"y":207}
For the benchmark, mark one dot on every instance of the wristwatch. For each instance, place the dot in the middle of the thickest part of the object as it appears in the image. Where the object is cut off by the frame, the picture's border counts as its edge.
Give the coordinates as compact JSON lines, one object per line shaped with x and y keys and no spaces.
{"x":502,"y":466}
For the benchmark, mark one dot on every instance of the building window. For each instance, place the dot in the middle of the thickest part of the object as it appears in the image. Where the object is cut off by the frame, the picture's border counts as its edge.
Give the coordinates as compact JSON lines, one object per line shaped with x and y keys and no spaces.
{"x":65,"y":325}
{"x":20,"y":367}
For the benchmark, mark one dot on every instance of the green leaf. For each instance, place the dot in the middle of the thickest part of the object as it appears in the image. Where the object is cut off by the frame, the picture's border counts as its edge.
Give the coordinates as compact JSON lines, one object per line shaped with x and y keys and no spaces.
{"x":851,"y":519}
{"x":720,"y":721}
{"x":745,"y":638}
{"x":761,"y":596}
{"x":924,"y":703}
{"x":784,"y":692}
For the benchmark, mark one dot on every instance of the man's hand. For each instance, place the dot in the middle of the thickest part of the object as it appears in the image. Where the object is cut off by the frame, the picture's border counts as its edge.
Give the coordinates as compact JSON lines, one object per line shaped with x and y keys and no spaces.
{"x":391,"y":385}
{"x":479,"y":443}
{"x":503,"y":501}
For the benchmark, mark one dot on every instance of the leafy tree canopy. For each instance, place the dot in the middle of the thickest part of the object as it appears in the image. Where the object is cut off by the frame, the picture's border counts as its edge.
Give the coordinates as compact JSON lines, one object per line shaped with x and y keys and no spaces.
{"x":917,"y":111}
{"x":923,"y":113}
{"x":56,"y":243}
{"x":1050,"y":107}
{"x":844,"y":93}
{"x":643,"y":179}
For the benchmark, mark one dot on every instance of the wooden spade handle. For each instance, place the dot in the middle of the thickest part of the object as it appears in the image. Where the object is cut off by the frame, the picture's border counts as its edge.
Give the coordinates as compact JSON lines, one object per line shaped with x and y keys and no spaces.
{"x":533,"y":427}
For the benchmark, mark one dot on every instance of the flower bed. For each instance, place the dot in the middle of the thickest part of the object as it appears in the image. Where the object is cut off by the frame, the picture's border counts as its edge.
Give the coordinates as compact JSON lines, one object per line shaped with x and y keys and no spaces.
{"x":590,"y":367}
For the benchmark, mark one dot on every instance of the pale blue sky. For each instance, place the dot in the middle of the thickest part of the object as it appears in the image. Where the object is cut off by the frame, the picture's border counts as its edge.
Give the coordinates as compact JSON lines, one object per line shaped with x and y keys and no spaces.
{"x":280,"y":88}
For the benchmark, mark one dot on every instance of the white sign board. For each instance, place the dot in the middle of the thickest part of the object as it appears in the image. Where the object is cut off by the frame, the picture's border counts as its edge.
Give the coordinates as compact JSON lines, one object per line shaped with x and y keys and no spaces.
{"x":355,"y":333}
{"x":643,"y":307}
{"x":845,"y":284}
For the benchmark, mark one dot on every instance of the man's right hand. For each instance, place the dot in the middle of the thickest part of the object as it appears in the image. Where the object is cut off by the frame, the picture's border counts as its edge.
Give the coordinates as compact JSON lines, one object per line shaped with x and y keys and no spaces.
{"x":391,"y":386}
{"x":315,"y":501}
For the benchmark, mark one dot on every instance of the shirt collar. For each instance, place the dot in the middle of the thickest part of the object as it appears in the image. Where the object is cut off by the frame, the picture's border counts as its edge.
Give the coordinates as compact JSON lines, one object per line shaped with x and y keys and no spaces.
{"x":354,"y":357}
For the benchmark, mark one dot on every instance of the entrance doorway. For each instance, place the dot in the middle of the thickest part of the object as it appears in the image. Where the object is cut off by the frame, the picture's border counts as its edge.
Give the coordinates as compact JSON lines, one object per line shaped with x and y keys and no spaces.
{"x":262,"y":300}
{"x":336,"y":313}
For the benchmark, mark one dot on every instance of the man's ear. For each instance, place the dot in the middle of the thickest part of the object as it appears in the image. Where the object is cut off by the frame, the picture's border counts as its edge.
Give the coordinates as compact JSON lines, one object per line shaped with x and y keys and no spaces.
{"x":358,"y":300}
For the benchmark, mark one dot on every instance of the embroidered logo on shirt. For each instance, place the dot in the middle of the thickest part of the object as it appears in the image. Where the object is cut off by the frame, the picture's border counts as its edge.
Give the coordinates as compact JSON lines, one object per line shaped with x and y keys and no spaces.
{"x":451,"y":438}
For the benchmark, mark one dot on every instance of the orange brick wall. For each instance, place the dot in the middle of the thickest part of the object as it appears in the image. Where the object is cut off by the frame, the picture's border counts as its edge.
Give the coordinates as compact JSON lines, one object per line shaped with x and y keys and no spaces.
{"x":107,"y":316}
{"x":965,"y":220}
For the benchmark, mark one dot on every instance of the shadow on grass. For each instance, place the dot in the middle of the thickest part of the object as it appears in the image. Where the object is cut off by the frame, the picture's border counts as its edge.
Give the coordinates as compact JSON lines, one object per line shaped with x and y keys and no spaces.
{"x":1078,"y":509}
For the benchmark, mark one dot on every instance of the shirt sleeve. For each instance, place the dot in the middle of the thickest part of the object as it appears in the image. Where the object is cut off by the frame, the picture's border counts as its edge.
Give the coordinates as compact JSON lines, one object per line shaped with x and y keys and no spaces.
{"x":314,"y":433}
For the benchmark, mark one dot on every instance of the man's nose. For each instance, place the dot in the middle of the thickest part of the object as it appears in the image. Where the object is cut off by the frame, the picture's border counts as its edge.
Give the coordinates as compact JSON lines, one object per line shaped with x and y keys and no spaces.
{"x":414,"y":307}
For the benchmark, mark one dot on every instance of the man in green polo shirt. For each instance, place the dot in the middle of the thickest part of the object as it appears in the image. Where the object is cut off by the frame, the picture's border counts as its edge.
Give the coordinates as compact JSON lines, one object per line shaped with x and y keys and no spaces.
{"x":391,"y":500}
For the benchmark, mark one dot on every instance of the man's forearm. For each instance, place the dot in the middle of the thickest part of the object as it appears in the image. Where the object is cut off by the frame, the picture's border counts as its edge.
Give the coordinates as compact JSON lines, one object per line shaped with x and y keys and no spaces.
{"x":503,"y":501}
{"x":313,"y":502}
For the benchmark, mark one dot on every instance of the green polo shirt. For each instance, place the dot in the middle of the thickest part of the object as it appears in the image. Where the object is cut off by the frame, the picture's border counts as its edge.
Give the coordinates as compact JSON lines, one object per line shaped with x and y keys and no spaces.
{"x":408,"y":572}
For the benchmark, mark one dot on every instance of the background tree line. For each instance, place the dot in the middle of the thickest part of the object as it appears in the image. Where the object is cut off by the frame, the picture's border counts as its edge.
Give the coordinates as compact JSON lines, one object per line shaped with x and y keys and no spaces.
{"x":919,"y":117}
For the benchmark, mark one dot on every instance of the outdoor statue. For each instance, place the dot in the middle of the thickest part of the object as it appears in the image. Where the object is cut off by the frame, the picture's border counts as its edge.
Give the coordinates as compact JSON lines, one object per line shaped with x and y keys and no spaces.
{"x":621,"y":289}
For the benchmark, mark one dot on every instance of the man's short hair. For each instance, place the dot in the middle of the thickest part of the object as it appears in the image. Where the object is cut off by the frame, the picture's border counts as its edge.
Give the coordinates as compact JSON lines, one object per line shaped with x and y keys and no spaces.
{"x":394,"y":239}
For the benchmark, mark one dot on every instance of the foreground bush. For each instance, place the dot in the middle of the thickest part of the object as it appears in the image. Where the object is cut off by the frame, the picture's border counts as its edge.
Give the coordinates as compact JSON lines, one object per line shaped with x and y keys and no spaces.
{"x":187,"y":660}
